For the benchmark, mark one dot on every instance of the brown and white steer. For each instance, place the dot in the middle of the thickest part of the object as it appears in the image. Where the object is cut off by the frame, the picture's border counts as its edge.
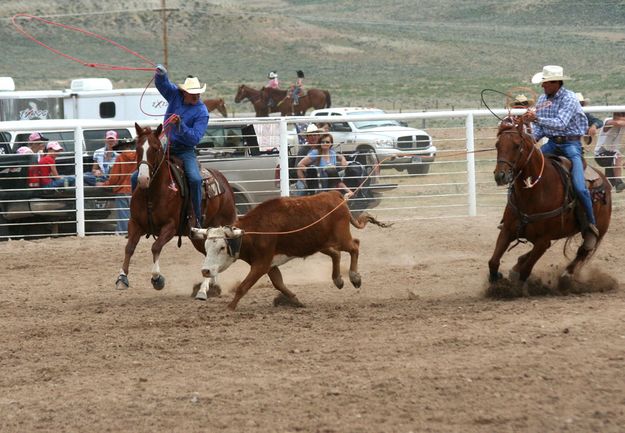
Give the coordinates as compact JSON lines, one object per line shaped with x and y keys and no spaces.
{"x":263,"y":243}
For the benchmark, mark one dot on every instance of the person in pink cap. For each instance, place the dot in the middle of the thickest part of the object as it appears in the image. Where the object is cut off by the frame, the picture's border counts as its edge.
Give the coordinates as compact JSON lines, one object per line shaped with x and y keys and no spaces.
{"x":47,"y":173}
{"x":103,"y":160}
{"x":36,"y":144}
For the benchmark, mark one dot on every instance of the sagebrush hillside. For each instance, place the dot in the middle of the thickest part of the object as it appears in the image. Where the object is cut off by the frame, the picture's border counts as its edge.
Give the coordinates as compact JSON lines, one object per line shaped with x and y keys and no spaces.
{"x":394,"y":54}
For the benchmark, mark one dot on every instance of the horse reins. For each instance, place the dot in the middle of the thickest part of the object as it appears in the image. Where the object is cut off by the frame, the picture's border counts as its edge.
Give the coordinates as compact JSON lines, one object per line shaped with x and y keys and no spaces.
{"x":528,"y":183}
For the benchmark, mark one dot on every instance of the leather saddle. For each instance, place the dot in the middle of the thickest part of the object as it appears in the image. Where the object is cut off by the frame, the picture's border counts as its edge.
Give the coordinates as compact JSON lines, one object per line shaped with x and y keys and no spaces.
{"x":591,"y":175}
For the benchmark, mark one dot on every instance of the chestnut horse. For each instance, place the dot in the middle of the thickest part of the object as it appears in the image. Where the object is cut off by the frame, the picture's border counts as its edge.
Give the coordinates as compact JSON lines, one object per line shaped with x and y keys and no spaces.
{"x":216,"y":104}
{"x":254,"y":96}
{"x":540,"y":207}
{"x":157,"y":205}
{"x":283,"y":102}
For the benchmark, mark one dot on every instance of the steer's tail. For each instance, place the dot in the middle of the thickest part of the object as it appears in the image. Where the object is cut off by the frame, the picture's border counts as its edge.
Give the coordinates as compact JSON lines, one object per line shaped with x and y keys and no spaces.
{"x":365,"y":218}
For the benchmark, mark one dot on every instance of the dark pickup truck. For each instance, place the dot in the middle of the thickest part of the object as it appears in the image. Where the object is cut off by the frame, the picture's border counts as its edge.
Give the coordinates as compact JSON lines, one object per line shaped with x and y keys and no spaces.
{"x":28,"y":211}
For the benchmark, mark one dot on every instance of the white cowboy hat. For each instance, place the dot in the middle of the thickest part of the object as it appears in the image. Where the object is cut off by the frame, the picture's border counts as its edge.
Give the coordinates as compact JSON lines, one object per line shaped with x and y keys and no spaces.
{"x":313,"y":129}
{"x":550,"y":73}
{"x":580,"y":97}
{"x":192,"y":85}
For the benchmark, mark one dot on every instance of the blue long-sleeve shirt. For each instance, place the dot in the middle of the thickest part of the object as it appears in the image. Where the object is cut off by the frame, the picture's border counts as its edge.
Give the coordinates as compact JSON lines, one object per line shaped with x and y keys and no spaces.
{"x":193,"y":118}
{"x":564,"y":116}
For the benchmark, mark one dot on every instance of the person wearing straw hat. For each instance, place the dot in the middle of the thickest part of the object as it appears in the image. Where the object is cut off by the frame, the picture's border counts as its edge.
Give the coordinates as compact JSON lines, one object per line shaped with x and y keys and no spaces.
{"x":188,"y":122}
{"x":559,"y":118}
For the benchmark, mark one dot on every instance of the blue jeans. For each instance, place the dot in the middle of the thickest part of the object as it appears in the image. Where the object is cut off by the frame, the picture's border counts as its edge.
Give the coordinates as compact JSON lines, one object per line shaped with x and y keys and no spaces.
{"x":90,"y":179}
{"x":573,"y":151}
{"x":60,"y":183}
{"x":192,"y":171}
{"x":122,"y":204}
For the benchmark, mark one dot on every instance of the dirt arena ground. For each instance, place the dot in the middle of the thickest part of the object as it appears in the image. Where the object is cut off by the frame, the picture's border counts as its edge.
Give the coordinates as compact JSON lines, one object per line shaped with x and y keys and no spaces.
{"x":418,"y":348}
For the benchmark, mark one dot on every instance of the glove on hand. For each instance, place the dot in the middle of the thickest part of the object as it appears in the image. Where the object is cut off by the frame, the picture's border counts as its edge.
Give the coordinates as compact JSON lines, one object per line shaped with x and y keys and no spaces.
{"x":160,"y":69}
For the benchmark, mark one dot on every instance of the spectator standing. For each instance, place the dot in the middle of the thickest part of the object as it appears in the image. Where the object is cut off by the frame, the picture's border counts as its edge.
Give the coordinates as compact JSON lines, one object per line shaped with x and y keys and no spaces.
{"x":607,"y":153}
{"x":119,"y":182}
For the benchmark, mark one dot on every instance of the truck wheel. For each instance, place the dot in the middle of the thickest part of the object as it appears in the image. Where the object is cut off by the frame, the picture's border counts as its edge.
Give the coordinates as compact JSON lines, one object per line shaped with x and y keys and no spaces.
{"x":418,"y":168}
{"x":4,"y":230}
{"x":241,"y":203}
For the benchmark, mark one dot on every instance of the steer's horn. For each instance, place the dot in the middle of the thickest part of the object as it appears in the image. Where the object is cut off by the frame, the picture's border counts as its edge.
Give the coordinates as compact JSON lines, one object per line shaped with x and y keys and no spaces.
{"x":199,"y":233}
{"x":232,"y":232}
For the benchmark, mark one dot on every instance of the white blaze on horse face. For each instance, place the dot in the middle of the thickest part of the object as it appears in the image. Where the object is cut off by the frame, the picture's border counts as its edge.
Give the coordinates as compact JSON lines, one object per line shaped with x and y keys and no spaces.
{"x":144,"y":169}
{"x":217,"y":258}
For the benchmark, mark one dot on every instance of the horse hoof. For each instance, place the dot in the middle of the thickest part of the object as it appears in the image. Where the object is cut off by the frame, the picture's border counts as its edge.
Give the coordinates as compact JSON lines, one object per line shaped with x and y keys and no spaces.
{"x":281,"y":299}
{"x":565,"y":282}
{"x":201,"y":296}
{"x":513,"y":275}
{"x":355,"y":279}
{"x":338,"y":282}
{"x":214,"y":291}
{"x":494,"y":277}
{"x":122,"y":282}
{"x":158,"y":283}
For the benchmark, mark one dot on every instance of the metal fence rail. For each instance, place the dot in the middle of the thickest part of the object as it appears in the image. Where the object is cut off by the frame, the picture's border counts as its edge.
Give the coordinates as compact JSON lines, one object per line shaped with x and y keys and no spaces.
{"x":458,"y":183}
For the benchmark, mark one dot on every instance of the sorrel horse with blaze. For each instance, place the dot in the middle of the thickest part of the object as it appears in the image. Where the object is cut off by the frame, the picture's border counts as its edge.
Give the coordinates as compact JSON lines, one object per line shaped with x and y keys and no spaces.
{"x":159,"y":208}
{"x":216,"y":104}
{"x":283,"y":102}
{"x":541,"y":203}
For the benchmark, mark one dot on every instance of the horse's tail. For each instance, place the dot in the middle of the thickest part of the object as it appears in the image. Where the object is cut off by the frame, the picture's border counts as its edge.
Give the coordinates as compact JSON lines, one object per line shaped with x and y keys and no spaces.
{"x":328,"y":99}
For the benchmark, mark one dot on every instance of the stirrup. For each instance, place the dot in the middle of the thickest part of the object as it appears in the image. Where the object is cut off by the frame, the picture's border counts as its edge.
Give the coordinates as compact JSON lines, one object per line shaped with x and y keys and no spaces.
{"x":594,"y":230}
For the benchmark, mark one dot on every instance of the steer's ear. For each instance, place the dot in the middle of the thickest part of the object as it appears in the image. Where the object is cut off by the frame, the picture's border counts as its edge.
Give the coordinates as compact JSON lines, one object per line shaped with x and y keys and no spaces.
{"x":199,"y":233}
{"x":232,"y":232}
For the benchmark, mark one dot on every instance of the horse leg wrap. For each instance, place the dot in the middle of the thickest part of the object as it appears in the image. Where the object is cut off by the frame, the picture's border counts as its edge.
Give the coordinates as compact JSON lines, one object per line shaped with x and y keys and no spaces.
{"x":122,"y":282}
{"x":158,"y":282}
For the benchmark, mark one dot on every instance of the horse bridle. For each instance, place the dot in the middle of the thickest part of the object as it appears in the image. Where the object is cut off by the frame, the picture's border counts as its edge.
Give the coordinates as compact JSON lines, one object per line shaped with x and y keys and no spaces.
{"x":152,"y":171}
{"x":512,"y":165}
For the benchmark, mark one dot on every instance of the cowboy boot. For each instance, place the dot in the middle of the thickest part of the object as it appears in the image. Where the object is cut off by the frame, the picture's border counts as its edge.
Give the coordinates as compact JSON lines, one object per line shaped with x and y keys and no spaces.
{"x":591,"y":236}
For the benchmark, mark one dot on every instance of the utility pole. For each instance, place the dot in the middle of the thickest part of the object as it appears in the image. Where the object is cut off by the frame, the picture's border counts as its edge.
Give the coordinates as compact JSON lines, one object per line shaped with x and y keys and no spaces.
{"x":164,"y":14}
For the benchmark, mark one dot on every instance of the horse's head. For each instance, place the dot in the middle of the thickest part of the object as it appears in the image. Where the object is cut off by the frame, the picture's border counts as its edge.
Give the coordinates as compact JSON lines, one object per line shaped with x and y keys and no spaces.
{"x":514,"y":147}
{"x":149,"y":153}
{"x":221,"y":107}
{"x":240,"y":94}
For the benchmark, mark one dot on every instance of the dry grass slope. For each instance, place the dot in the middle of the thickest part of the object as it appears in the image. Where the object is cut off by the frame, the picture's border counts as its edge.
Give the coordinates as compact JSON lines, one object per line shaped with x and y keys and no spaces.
{"x":399,"y":54}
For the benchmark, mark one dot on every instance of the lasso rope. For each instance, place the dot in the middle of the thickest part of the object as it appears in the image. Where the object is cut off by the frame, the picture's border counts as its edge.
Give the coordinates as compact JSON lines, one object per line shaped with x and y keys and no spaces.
{"x":105,"y":66}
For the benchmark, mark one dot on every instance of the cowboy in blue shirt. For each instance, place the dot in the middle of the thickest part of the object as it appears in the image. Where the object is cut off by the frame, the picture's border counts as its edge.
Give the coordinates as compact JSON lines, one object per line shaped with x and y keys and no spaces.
{"x":560,"y":118}
{"x":188,"y":123}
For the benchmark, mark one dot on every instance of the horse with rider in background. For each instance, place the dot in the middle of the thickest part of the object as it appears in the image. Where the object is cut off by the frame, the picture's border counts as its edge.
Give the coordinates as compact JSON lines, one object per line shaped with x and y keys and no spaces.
{"x":311,"y":98}
{"x":254,"y":96}
{"x":161,"y":205}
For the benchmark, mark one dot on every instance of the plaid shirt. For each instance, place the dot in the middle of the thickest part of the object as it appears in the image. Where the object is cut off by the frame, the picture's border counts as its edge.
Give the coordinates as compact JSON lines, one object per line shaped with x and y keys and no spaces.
{"x":563,"y":117}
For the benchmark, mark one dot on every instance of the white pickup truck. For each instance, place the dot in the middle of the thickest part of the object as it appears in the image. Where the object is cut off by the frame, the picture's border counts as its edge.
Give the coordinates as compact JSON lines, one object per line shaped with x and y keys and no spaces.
{"x":398,"y":146}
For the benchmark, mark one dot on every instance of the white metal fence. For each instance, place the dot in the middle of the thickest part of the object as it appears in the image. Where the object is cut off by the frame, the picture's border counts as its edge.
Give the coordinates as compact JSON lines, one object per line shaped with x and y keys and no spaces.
{"x":459,"y":182}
